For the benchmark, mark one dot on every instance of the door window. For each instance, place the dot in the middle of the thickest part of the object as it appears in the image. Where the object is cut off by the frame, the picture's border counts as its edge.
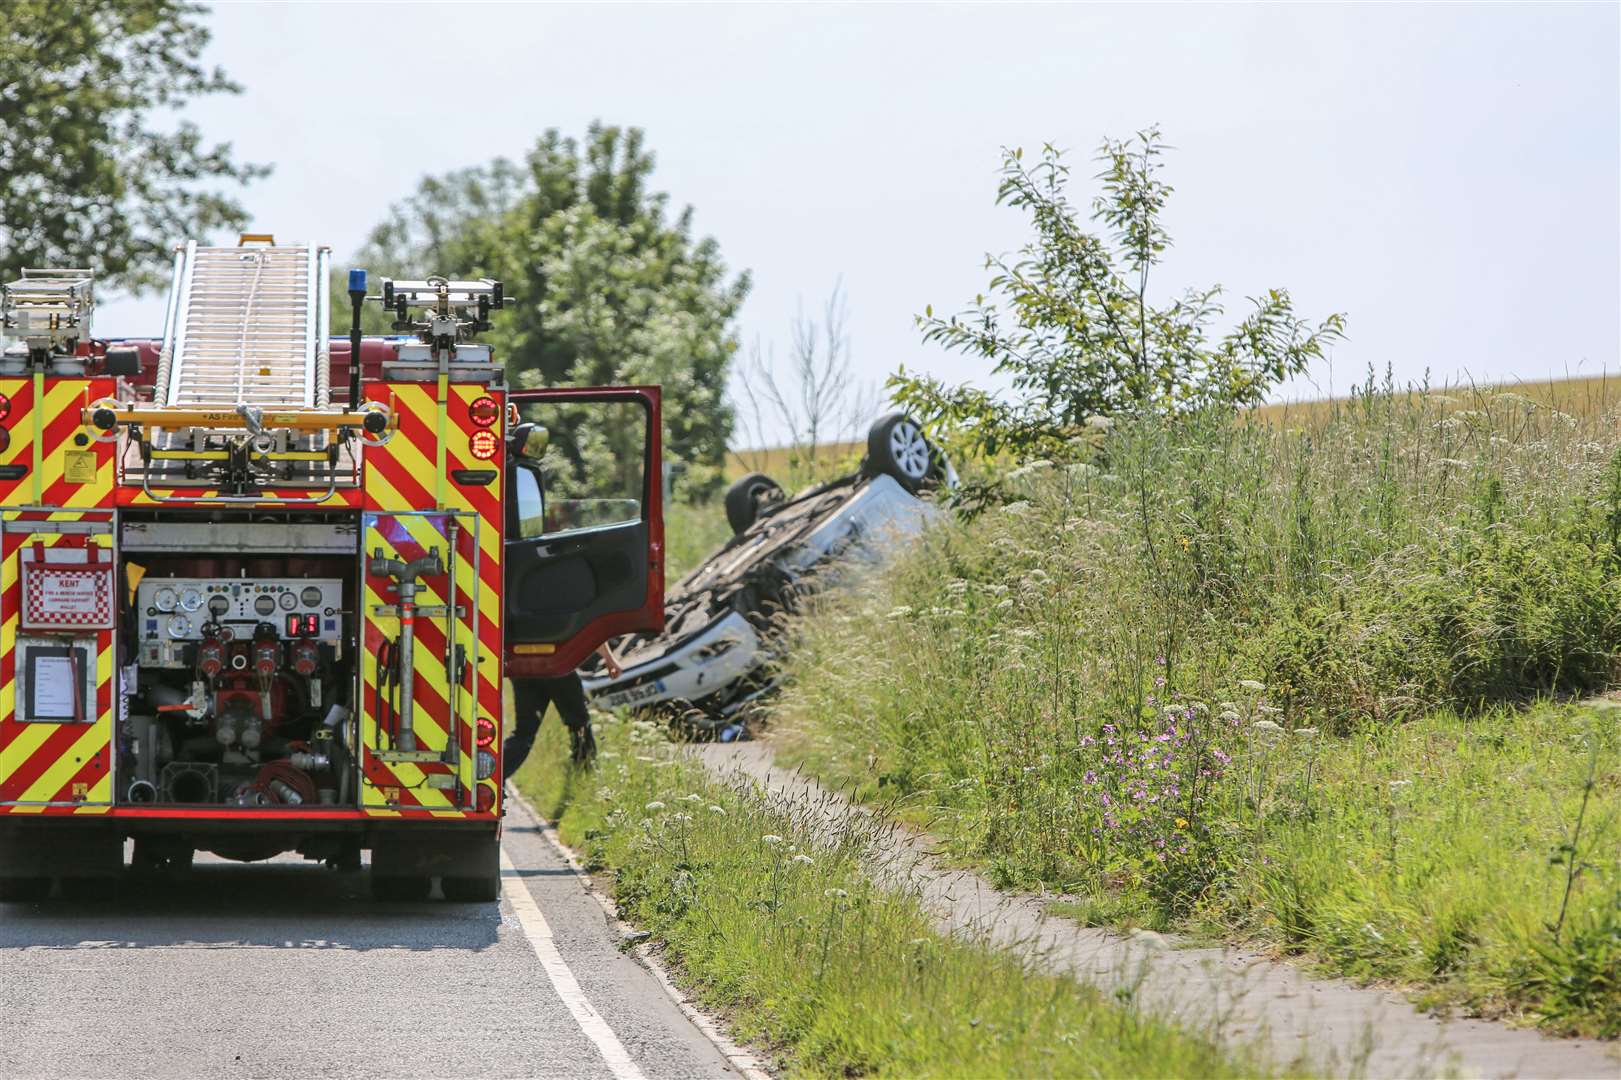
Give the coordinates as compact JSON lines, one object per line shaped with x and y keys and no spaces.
{"x":590,"y":475}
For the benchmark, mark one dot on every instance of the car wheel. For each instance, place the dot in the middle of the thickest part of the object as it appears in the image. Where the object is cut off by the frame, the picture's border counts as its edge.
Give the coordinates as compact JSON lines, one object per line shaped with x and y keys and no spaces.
{"x":896,"y":446}
{"x":748,"y":496}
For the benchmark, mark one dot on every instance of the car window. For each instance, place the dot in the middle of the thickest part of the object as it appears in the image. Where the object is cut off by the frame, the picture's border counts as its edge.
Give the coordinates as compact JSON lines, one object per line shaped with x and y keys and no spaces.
{"x":591,"y":473}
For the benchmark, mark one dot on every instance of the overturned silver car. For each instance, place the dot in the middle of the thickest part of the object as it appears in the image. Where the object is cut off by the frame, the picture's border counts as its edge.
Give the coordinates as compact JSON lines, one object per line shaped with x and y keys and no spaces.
{"x":723,"y":621}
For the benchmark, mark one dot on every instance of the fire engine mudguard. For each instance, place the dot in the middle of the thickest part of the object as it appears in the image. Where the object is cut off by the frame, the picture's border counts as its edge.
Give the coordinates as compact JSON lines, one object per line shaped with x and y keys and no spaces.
{"x":468,"y":864}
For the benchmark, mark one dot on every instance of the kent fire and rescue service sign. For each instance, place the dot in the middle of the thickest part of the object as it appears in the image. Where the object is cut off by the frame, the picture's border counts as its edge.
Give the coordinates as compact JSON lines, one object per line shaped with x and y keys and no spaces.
{"x":67,"y":596}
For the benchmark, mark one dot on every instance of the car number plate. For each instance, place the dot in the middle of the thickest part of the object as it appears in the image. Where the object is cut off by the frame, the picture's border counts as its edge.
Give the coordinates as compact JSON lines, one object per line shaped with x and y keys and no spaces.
{"x":636,"y":694}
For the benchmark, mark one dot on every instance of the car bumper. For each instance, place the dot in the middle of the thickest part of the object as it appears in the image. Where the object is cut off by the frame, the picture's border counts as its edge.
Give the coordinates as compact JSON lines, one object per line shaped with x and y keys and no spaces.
{"x":710,"y":661}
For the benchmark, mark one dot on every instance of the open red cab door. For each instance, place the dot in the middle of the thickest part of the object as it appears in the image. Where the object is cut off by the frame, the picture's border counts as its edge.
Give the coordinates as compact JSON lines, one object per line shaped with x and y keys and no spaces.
{"x":585,"y":523}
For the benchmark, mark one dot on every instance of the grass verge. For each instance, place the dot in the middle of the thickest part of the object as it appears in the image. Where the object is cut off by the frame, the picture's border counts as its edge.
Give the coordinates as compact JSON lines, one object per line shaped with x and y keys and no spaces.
{"x":785,"y":936}
{"x":1277,"y":682}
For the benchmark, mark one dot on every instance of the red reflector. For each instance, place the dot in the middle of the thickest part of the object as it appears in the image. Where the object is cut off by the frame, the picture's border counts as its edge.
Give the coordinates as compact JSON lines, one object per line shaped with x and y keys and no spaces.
{"x":485,"y":798}
{"x":484,"y":411}
{"x":486,"y":731}
{"x":5,"y":406}
{"x":484,"y":444}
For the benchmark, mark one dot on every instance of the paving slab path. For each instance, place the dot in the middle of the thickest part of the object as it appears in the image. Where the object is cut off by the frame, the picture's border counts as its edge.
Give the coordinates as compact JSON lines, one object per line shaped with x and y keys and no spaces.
{"x":1329,"y":1025}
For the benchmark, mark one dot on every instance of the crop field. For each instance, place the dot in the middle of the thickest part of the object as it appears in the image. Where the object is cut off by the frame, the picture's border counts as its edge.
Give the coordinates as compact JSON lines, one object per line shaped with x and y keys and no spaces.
{"x":1332,"y":682}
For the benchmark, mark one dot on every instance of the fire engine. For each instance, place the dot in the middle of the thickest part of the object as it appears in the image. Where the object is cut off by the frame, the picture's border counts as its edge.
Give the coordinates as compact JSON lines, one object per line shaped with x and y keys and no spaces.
{"x":260,"y":586}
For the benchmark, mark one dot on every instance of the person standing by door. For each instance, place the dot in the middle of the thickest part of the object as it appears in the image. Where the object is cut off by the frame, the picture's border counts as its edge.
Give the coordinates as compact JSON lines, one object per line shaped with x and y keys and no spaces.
{"x":531,"y":697}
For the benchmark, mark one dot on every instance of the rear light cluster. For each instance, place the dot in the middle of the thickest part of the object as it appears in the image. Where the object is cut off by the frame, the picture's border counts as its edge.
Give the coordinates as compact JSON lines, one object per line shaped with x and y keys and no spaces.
{"x":484,"y":443}
{"x":486,"y":731}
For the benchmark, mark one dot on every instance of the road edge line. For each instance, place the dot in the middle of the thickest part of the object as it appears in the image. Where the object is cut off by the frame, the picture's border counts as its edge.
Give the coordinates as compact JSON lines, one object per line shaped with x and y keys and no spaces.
{"x":539,"y":933}
{"x":747,"y":1064}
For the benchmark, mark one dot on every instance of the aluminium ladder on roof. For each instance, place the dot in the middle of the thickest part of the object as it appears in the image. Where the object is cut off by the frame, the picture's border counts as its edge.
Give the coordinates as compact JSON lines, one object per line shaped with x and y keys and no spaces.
{"x":247,"y":326}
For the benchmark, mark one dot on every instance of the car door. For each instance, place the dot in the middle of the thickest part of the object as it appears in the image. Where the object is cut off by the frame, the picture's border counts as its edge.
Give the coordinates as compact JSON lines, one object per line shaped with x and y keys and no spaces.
{"x":584,"y":558}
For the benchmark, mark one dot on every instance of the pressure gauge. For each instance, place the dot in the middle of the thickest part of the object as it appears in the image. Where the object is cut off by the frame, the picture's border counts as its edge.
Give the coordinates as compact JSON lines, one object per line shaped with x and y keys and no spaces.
{"x":311,"y":596}
{"x":218,"y":606}
{"x":264,"y":604}
{"x":288,"y":601}
{"x":179,"y":626}
{"x":164,"y":599}
{"x":191,"y":599}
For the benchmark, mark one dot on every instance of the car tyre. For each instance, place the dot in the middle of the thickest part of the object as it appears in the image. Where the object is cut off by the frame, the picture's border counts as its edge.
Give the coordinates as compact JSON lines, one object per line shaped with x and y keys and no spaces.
{"x":747,"y":497}
{"x":896,"y":447}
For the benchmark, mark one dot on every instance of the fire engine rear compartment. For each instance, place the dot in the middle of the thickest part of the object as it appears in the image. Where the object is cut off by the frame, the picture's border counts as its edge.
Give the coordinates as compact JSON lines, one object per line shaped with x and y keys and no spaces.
{"x":238,"y":675}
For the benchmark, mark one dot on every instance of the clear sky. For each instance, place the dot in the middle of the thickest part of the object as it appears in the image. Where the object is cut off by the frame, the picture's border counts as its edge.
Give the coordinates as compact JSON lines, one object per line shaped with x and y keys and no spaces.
{"x":1449,"y":176}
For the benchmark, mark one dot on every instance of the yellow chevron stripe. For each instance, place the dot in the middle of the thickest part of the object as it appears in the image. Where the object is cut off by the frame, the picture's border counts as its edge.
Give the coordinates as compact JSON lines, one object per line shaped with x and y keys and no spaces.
{"x":53,"y":779}
{"x":28,"y":740}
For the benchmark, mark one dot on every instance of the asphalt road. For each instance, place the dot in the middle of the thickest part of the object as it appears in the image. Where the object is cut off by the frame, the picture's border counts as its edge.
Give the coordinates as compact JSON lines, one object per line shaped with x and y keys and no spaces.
{"x":284,"y":969}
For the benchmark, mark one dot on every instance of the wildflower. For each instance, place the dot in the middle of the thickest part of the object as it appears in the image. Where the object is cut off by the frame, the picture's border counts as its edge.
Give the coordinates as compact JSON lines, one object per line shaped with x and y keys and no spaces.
{"x":1181,"y":823}
{"x":653,"y":807}
{"x":837,"y":894}
{"x":804,"y":860}
{"x":719,"y":810}
{"x":1266,"y":729}
{"x":900,"y":612}
{"x":1251,"y":685}
{"x":1306,"y":732}
{"x":694,"y":797}
{"x":771,"y":839}
{"x":1017,"y":509}
{"x":1090,"y":777}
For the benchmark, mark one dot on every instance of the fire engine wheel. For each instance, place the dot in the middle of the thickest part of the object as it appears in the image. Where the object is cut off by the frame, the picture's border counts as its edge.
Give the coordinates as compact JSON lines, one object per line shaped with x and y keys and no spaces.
{"x":472,"y":890}
{"x":24,"y":890}
{"x":401,"y":889}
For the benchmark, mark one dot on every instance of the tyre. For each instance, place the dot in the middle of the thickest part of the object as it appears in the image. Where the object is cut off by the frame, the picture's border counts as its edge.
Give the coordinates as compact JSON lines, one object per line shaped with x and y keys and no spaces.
{"x":472,"y":890}
{"x":897,"y":448}
{"x":24,"y":890}
{"x":748,"y":496}
{"x":401,"y":889}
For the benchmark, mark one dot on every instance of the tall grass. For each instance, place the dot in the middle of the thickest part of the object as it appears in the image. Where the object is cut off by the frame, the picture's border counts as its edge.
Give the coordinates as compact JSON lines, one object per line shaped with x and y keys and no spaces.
{"x":1087,"y":687}
{"x":773,"y":922}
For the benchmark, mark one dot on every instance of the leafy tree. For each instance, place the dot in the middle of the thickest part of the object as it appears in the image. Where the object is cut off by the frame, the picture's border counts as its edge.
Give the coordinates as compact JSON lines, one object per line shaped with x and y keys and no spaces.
{"x":1071,"y":321}
{"x":85,"y":177}
{"x":610,"y":287}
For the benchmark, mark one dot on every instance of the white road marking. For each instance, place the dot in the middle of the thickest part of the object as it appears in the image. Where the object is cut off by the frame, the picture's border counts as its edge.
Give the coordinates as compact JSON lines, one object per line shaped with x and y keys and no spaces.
{"x":539,"y":933}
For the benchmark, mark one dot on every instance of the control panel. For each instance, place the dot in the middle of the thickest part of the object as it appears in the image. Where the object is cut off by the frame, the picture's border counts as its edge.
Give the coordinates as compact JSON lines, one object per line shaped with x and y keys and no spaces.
{"x":173,"y":612}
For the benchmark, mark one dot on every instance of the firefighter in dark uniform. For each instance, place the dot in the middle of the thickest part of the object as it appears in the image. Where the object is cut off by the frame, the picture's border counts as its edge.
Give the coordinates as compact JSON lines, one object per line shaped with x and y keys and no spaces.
{"x":530,"y":699}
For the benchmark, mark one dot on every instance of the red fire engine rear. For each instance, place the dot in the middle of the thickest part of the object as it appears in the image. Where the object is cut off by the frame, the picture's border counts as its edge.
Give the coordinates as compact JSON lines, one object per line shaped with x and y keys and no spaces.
{"x":258,"y":587}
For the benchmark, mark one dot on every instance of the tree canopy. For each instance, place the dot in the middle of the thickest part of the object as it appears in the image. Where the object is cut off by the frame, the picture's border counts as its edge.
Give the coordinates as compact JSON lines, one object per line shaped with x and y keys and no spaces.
{"x":89,"y":176}
{"x":1071,"y":322}
{"x":610,"y":286}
